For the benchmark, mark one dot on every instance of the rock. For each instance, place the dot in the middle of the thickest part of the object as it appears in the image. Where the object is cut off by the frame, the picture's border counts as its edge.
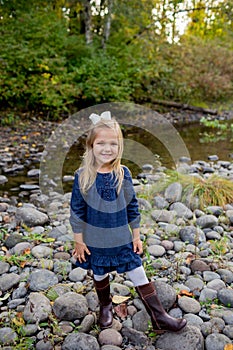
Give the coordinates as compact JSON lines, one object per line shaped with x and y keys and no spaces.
{"x":141,"y":320}
{"x":199,"y":265}
{"x":189,"y":305}
{"x":4,"y":267}
{"x":160,"y":202}
{"x":77,"y":274}
{"x":42,"y":280}
{"x":163,"y":215}
{"x":192,"y":234}
{"x":173,"y":192}
{"x":3,"y":179}
{"x":156,"y":250}
{"x":44,"y":344}
{"x":78,"y":341}
{"x":33,"y":173}
{"x":216,"y":341}
{"x":7,"y":281}
{"x":70,"y":306}
{"x":41,"y":251}
{"x":181,"y":210}
{"x":206,"y":221}
{"x":12,"y":240}
{"x":110,"y":337}
{"x":225,"y":295}
{"x":37,"y":308}
{"x":31,"y":217}
{"x":188,"y":339}
{"x":7,"y":336}
{"x":134,"y":336}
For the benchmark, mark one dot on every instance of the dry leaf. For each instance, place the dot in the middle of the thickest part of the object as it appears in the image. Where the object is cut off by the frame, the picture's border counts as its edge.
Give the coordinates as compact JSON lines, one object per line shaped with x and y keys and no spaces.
{"x":118,"y":299}
{"x":26,"y":251}
{"x":228,"y":347}
{"x":4,"y":249}
{"x":22,"y":264}
{"x":18,"y":321}
{"x":185,"y":292}
{"x":24,"y":137}
{"x":121,"y":310}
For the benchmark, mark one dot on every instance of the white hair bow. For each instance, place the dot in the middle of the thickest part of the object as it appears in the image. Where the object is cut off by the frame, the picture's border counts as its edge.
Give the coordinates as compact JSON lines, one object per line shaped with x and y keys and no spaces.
{"x":95,"y":118}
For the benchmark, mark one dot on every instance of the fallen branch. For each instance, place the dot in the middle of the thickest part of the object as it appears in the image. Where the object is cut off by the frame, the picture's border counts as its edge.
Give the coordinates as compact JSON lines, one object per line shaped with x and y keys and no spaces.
{"x":185,"y":106}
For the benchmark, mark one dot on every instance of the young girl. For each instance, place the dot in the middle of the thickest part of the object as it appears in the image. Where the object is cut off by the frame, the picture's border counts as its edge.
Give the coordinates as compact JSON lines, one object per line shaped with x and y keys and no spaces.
{"x":105,"y":220}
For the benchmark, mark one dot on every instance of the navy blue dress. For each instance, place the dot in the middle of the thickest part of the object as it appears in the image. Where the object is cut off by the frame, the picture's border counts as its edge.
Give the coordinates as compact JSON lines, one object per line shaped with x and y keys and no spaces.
{"x":106,"y":218}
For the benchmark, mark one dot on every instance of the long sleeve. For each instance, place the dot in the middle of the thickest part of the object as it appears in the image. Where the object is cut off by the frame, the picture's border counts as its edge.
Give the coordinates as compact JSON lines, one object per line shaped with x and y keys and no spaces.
{"x":78,"y":208}
{"x":131,"y":200}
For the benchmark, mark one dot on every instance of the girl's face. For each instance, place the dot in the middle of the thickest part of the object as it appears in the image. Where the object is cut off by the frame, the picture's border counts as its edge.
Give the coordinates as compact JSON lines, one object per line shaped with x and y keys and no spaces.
{"x":105,"y":147}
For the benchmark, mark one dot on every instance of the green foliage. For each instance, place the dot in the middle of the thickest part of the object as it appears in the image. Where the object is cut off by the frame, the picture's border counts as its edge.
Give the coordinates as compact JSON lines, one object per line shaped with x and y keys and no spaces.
{"x":47,"y":67}
{"x":217,"y":130}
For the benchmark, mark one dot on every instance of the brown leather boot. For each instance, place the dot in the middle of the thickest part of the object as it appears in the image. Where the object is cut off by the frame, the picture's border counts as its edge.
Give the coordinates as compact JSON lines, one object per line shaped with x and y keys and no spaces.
{"x":161,"y":321}
{"x":103,"y":292}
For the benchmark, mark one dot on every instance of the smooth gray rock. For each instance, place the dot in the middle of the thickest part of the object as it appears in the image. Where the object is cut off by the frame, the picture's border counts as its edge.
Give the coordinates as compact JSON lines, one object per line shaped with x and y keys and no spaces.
{"x":80,"y":341}
{"x":225,"y":295}
{"x":70,"y":306}
{"x":173,"y":192}
{"x":31,"y":217}
{"x":188,"y":339}
{"x":216,"y":341}
{"x":181,"y":210}
{"x":192,"y":235}
{"x":37,"y":308}
{"x":7,"y":281}
{"x":207,"y":221}
{"x":7,"y":335}
{"x":42,"y":280}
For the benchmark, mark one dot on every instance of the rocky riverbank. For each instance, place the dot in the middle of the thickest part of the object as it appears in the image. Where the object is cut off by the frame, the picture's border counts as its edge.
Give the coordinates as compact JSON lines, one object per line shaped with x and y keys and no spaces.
{"x":47,"y":303}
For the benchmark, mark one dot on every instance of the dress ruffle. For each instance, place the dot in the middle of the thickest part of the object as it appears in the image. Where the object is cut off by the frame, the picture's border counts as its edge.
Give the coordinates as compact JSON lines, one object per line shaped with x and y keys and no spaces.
{"x":104,"y":260}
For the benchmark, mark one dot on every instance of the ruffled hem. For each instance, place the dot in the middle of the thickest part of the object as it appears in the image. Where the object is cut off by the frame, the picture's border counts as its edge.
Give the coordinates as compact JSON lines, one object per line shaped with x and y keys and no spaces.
{"x":101,"y":264}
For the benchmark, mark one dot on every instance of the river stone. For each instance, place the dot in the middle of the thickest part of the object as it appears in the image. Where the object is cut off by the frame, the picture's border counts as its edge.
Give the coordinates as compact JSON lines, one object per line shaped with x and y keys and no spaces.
{"x":7,"y":335}
{"x":210,"y":276}
{"x":207,"y":221}
{"x":44,"y":344}
{"x":110,"y":347}
{"x":216,"y":341}
{"x":207,"y":294}
{"x":42,"y":280}
{"x":225,"y":295}
{"x":87,"y":323}
{"x":226,"y":275}
{"x":181,"y":210}
{"x":70,"y":306}
{"x":141,"y":320}
{"x":4,"y":267}
{"x":164,"y":215}
{"x":160,"y":202}
{"x":33,"y":173}
{"x":37,"y":308}
{"x":8,"y":281}
{"x":41,"y":251}
{"x":119,"y":289}
{"x":110,"y":337}
{"x":192,"y":235}
{"x":188,"y":339}
{"x":21,"y":247}
{"x":166,"y":294}
{"x":156,"y":250}
{"x":77,"y":274}
{"x":80,"y":341}
{"x":229,"y":214}
{"x":29,"y":187}
{"x":199,"y":265}
{"x":31,"y":217}
{"x":193,"y":320}
{"x":173,"y":192}
{"x":194,"y":284}
{"x":189,"y":305}
{"x":135,"y":337}
{"x":3,"y":179}
{"x":12,"y":240}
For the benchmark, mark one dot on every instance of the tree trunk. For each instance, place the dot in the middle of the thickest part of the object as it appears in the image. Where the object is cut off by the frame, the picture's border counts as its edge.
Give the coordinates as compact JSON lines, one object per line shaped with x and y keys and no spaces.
{"x":87,"y":19}
{"x":107,"y":24}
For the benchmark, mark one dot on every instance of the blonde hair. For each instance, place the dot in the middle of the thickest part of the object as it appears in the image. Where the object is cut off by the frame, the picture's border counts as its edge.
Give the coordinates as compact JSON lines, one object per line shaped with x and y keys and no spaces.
{"x":89,"y":170}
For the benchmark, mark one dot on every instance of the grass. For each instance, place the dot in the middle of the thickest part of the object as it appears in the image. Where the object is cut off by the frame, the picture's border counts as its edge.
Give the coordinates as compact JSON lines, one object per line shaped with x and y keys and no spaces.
{"x":214,"y":190}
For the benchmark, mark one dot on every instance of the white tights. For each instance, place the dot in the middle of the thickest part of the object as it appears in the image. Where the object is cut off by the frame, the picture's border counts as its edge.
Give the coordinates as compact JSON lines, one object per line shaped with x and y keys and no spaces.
{"x":137,"y":276}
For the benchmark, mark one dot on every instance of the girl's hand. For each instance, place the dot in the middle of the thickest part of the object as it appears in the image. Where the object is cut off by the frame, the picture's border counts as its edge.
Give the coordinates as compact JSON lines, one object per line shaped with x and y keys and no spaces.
{"x":137,"y":246}
{"x":79,"y":251}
